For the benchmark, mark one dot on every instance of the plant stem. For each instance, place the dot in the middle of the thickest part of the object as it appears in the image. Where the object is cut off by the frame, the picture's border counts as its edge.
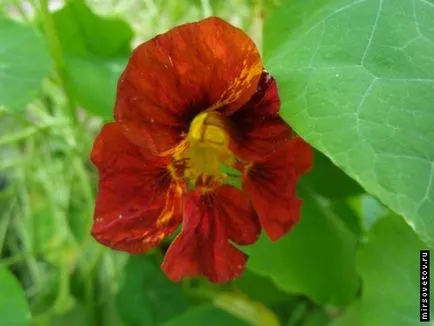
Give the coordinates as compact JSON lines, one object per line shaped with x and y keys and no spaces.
{"x":256,"y":27}
{"x":30,"y":131}
{"x":4,"y":222}
{"x":25,"y":255}
{"x":56,"y":53}
{"x":206,"y":8}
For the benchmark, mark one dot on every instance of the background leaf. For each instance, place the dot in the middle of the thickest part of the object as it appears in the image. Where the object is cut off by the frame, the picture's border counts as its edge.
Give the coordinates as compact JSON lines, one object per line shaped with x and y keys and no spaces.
{"x":146,"y":296}
{"x":390,"y":256}
{"x":357,"y":81}
{"x":348,"y":215}
{"x":316,"y":259}
{"x":327,"y":180}
{"x":24,"y":63}
{"x":205,"y":315}
{"x":76,"y":316}
{"x":96,"y":51}
{"x":350,"y":317}
{"x":14,"y":310}
{"x":259,"y":288}
{"x":316,"y":318}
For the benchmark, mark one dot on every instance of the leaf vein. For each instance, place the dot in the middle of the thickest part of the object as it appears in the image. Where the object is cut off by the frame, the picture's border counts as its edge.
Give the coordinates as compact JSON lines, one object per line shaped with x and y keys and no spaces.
{"x":374,"y":28}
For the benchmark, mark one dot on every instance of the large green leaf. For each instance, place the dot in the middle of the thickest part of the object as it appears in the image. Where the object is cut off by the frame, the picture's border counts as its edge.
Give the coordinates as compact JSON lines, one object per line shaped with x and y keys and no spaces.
{"x":389,"y":265}
{"x":147,"y":297}
{"x":96,"y":50}
{"x":24,"y":63}
{"x":205,"y":315}
{"x":316,"y":259}
{"x":14,"y":310}
{"x":357,"y":81}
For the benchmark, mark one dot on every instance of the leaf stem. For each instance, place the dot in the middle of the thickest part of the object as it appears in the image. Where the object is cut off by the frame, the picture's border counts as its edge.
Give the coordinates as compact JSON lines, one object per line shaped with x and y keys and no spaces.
{"x":56,"y":53}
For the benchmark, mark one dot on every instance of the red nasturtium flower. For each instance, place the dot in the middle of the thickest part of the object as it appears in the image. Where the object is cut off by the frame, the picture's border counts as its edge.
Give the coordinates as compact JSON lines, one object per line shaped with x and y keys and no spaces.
{"x":190,"y":102}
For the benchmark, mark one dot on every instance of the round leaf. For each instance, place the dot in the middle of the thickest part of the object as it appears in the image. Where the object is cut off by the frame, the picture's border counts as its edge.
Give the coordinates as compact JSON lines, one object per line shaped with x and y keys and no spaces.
{"x":96,"y":50}
{"x":389,"y":266}
{"x":317,"y":258}
{"x":357,"y":82}
{"x":24,"y":63}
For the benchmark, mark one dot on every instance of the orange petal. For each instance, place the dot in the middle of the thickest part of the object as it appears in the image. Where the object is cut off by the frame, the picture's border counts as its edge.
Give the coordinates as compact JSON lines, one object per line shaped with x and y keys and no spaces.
{"x":138,"y":203}
{"x":271,"y":186}
{"x":174,"y":76}
{"x":202,"y":248}
{"x":259,"y":130}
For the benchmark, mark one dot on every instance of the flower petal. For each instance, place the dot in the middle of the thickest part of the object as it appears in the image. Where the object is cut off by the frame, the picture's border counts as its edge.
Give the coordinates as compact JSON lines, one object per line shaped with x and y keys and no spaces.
{"x":171,"y":78}
{"x":271,"y":186}
{"x":202,"y":247}
{"x":240,"y":221}
{"x":138,"y":204}
{"x":259,"y":129}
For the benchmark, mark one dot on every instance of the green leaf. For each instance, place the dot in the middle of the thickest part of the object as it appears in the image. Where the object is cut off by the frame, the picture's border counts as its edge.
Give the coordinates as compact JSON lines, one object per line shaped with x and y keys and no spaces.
{"x":94,"y":83}
{"x":323,"y":170}
{"x":371,"y":211}
{"x":14,"y":309}
{"x":146,"y":296}
{"x":205,"y":315}
{"x":24,"y":63}
{"x":357,"y":82}
{"x":316,"y":317}
{"x":348,"y":215}
{"x":96,"y":51}
{"x":240,"y":306}
{"x":317,"y":258}
{"x":350,"y":317}
{"x":259,"y":288}
{"x":389,"y":266}
{"x":76,"y":316}
{"x":82,"y":32}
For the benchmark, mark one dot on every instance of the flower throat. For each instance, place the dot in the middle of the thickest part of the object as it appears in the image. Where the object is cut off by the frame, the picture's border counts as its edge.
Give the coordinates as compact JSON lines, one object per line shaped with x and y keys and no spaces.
{"x":208,"y":147}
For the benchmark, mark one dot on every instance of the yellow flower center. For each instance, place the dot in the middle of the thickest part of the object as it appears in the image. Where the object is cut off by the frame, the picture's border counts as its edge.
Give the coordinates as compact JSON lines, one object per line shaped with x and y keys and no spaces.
{"x":208,"y":146}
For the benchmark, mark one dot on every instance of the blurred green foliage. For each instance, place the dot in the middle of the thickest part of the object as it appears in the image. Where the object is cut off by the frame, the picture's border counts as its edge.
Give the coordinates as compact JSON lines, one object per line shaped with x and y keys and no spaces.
{"x":349,"y":262}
